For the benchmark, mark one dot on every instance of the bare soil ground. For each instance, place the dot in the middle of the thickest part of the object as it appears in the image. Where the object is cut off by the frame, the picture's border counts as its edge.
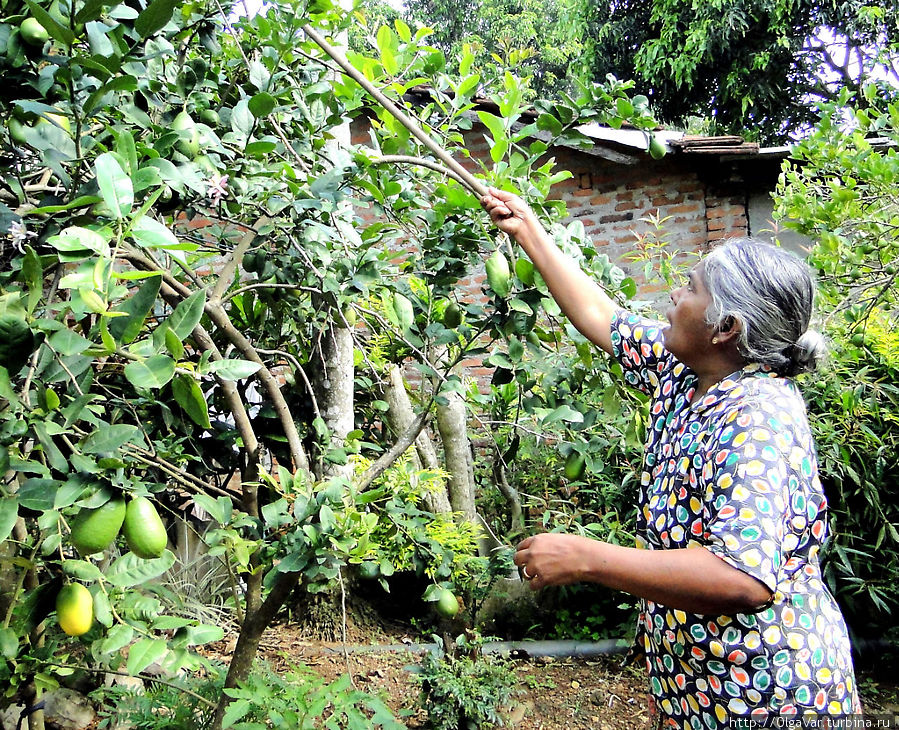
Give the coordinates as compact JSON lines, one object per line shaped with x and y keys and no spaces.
{"x":554,"y":694}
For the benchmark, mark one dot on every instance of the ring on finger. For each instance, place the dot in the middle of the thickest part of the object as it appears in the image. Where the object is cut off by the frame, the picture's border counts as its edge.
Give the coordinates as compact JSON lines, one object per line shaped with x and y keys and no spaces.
{"x":525,"y":574}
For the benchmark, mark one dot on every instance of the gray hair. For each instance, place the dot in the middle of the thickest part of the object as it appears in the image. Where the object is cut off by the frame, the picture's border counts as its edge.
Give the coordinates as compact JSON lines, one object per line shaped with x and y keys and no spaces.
{"x":770,"y":292}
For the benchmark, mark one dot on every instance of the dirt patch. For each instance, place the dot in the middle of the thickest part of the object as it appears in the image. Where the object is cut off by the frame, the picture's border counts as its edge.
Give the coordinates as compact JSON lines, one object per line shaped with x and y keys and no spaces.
{"x":554,"y":694}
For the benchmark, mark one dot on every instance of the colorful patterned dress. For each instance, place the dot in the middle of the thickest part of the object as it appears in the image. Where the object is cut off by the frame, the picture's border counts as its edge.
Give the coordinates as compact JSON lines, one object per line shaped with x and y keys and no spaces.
{"x":735,"y":473}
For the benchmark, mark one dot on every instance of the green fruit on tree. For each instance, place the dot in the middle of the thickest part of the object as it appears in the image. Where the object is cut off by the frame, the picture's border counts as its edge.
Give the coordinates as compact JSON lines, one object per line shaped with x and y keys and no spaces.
{"x":75,"y":609}
{"x":143,"y":529}
{"x":18,"y":131}
{"x":94,"y":530}
{"x":447,"y":604}
{"x":657,"y":149}
{"x":575,"y":465}
{"x":33,"y":33}
{"x":498,"y":274}
{"x":452,"y":316}
{"x":57,"y":120}
{"x":858,"y":339}
{"x":189,"y":142}
{"x":209,"y":117}
{"x":349,"y":315}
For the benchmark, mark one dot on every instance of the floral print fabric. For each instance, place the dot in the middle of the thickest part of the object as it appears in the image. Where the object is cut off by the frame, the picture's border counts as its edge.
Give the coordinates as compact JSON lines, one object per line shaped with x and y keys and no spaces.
{"x":735,"y":473}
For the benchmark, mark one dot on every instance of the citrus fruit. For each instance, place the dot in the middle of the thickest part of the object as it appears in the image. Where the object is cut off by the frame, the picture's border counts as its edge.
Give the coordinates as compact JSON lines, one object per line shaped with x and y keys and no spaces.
{"x":189,"y":144}
{"x":657,"y":148}
{"x":74,"y":609}
{"x":452,"y":316}
{"x":94,"y":529}
{"x":447,"y":604}
{"x":143,"y":529}
{"x":498,"y":273}
{"x":33,"y":33}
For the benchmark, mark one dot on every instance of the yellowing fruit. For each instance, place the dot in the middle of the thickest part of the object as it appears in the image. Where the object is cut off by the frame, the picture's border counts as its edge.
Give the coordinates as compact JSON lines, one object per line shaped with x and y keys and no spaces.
{"x":75,"y":609}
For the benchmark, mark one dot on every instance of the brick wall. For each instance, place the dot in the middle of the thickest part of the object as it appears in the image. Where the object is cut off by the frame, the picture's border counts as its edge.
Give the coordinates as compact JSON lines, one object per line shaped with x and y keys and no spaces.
{"x":700,"y":202}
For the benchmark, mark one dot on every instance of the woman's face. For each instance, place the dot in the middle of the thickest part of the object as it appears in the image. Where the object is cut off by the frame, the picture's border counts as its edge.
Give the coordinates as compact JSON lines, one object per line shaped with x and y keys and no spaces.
{"x":688,"y":337}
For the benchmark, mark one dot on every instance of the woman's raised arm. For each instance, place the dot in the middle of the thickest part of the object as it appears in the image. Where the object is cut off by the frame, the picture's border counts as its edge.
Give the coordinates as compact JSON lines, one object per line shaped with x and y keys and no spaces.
{"x":582,"y":300}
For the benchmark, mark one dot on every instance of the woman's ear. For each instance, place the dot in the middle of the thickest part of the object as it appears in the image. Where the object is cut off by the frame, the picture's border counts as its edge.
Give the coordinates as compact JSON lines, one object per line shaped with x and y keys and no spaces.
{"x":729,"y":330}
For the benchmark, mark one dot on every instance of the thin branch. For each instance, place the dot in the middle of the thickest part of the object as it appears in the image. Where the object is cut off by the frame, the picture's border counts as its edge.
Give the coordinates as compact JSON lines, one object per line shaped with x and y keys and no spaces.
{"x":475,"y":185}
{"x":421,"y":162}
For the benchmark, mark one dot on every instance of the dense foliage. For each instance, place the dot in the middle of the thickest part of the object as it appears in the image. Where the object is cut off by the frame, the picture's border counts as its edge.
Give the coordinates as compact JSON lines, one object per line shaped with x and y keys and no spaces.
{"x":841,"y":189}
{"x":203,"y":308}
{"x":753,"y":68}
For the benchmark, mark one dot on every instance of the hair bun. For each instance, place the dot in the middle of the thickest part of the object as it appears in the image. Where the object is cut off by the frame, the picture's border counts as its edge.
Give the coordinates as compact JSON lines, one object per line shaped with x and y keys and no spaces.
{"x":807,"y":353}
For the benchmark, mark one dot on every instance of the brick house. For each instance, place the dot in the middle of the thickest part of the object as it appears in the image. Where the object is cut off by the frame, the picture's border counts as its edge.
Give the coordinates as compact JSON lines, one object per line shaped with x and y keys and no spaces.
{"x":706,"y":188}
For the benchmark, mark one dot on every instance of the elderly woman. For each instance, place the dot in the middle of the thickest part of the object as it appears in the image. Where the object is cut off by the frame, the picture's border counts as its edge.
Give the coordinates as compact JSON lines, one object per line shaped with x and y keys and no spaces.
{"x":735,"y":621}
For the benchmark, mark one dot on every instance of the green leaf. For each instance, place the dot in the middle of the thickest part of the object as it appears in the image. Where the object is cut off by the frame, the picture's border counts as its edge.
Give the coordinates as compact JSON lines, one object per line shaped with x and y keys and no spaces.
{"x":91,"y":10}
{"x":9,"y":513}
{"x":233,"y":369}
{"x":625,"y":108}
{"x":80,"y":202}
{"x":32,"y":275}
{"x":82,"y":570}
{"x":38,"y":494}
{"x":51,"y":450}
{"x":118,"y":83}
{"x":108,"y":439}
{"x":262,"y":104}
{"x":187,"y":314}
{"x":130,"y":570}
{"x":150,"y":233}
{"x":563,"y":413}
{"x":118,"y":636}
{"x":137,"y":307}
{"x":237,"y":709}
{"x":549,"y":123}
{"x":154,"y":17}
{"x":145,"y":652}
{"x":9,"y":643}
{"x":189,"y":396}
{"x":78,"y":239}
{"x":203,"y":634}
{"x":115,"y":185}
{"x":154,"y":372}
{"x":68,"y":342}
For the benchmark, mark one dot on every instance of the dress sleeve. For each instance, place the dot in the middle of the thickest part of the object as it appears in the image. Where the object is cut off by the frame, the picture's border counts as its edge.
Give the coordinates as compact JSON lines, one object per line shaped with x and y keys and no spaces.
{"x":638,"y":347}
{"x":748,"y":476}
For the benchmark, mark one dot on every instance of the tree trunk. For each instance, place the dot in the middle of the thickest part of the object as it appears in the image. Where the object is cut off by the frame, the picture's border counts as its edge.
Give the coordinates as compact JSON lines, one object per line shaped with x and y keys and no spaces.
{"x":251,"y":631}
{"x":452,"y":422}
{"x":334,"y":392}
{"x":399,"y":417}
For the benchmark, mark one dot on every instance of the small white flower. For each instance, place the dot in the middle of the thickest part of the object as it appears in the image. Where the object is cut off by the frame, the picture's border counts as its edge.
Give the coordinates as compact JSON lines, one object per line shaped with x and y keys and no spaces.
{"x":20,"y":235}
{"x":217,"y":188}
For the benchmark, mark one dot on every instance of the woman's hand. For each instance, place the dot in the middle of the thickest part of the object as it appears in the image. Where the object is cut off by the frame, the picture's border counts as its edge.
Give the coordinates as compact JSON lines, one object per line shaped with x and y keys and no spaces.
{"x":691,"y":579}
{"x":553,"y":559}
{"x":508,"y":212}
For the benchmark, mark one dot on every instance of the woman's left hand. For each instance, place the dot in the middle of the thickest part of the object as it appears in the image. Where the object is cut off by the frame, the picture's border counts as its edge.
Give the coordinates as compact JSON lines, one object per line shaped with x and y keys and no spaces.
{"x":553,"y":559}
